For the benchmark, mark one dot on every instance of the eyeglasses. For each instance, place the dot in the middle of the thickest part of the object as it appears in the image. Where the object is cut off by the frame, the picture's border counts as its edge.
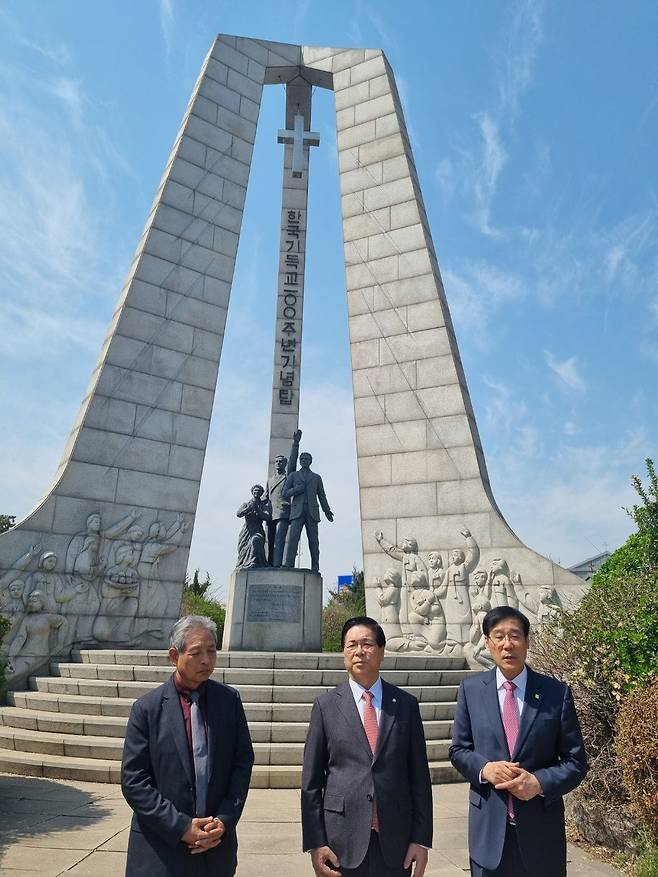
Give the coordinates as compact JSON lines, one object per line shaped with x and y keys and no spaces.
{"x":514,"y":637}
{"x":366,"y":644}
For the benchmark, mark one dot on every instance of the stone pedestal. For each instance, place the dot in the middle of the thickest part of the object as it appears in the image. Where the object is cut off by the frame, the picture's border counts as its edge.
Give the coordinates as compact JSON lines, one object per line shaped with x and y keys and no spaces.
{"x":274,"y":610}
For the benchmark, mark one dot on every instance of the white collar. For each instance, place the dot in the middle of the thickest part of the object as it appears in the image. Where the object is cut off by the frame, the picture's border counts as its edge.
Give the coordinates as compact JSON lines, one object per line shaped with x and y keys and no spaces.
{"x":375,"y":689}
{"x":520,"y":681}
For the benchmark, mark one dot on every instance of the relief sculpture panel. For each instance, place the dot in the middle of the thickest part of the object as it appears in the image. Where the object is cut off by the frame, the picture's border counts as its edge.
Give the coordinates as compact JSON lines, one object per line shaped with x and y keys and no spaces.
{"x":104,"y":590}
{"x":436,"y":606}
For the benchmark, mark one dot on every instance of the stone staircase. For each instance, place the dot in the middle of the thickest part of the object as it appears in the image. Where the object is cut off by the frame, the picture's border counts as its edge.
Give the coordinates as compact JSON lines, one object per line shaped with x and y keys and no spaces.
{"x":71,"y":724}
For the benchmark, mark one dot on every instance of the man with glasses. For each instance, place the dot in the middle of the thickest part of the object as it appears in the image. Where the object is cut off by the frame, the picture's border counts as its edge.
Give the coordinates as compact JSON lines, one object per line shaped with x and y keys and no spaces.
{"x":366,"y":788}
{"x":517,"y":740}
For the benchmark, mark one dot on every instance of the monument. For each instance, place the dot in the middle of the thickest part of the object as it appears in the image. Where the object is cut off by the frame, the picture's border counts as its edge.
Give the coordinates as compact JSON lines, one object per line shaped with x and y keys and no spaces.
{"x":117,"y":521}
{"x":273,"y":606}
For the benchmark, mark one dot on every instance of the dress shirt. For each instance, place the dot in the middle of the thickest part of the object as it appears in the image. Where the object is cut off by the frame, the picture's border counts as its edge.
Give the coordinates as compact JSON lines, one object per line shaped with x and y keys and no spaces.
{"x":357,"y":692}
{"x":519,"y":694}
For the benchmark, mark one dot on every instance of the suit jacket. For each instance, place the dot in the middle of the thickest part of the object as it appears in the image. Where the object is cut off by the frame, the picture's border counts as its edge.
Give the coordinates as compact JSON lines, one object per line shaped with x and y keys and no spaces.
{"x":304,"y":487}
{"x":276,"y":484}
{"x":157,"y":780}
{"x":340,"y":777}
{"x":549,"y":745}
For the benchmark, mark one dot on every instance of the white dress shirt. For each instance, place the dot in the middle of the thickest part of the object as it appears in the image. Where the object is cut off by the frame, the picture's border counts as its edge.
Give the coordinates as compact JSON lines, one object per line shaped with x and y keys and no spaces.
{"x":357,"y":693}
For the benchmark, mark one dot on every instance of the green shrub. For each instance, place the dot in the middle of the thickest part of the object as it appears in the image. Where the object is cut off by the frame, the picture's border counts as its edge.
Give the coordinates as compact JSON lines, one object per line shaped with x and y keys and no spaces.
{"x":213,"y":609}
{"x":607,"y":649}
{"x":646,"y":865}
{"x":342,"y":606}
{"x":195,"y":602}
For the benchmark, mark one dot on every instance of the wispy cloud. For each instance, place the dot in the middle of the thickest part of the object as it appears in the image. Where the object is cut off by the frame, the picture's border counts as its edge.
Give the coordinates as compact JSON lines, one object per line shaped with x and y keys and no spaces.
{"x":579,"y":488}
{"x":480,"y":168}
{"x":477,"y":291}
{"x":55,"y":254}
{"x":58,"y":52}
{"x":167,"y":24}
{"x":523,"y":40}
{"x":485,"y":183}
{"x":567,"y":370}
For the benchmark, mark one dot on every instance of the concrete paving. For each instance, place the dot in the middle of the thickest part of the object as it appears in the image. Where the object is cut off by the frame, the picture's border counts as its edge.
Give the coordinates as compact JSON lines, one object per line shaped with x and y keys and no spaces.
{"x":52,"y":827}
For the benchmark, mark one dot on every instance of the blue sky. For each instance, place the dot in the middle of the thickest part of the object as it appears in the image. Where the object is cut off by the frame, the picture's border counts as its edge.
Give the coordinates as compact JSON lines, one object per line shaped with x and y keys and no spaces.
{"x":534,"y":128}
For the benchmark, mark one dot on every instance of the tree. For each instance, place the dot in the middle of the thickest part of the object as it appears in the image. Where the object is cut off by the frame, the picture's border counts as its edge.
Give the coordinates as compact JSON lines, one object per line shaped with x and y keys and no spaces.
{"x":7,"y":522}
{"x":195,"y":587}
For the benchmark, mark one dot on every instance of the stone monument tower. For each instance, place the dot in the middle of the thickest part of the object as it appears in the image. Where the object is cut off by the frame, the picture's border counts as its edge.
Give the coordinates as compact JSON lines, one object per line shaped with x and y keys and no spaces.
{"x":101,"y":559}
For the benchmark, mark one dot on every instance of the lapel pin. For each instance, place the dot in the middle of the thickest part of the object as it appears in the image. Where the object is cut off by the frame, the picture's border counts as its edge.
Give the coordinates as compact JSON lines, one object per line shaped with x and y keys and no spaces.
{"x":394,"y":700}
{"x":536,"y":697}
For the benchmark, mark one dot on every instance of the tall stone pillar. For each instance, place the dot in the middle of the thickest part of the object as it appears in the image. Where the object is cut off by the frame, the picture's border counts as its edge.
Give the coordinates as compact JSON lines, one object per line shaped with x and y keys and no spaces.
{"x":286,"y":376}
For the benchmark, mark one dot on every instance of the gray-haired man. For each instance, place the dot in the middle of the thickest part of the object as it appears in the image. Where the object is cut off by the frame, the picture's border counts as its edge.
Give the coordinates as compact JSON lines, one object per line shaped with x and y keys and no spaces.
{"x":186,"y":766}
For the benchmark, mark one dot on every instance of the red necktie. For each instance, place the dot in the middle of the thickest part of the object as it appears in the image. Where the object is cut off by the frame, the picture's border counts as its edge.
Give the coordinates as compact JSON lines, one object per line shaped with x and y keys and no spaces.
{"x":511,"y":726}
{"x":372,"y":731}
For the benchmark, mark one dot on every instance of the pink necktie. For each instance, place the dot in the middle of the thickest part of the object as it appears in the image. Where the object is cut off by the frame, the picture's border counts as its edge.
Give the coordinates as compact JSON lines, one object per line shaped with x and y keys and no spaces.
{"x":511,"y":726}
{"x":372,"y":731}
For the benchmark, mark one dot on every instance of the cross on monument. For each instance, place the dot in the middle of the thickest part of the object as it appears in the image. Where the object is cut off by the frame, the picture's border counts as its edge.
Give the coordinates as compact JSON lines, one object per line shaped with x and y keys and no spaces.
{"x":299,"y":139}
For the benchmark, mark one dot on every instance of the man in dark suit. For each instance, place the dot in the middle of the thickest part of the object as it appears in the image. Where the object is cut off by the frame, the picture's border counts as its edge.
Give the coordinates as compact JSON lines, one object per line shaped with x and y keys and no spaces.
{"x":366,"y":788}
{"x":517,"y":740}
{"x":186,"y":766}
{"x":305,"y":490}
{"x":277,"y":526}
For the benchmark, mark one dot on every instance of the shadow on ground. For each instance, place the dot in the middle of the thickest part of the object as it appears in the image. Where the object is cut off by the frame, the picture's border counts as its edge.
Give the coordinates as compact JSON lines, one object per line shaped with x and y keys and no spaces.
{"x":49,"y":826}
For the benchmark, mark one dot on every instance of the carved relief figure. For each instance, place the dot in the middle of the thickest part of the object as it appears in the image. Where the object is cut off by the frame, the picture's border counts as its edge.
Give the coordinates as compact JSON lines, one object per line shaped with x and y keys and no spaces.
{"x":52,"y":586}
{"x":549,"y":605}
{"x":119,"y":596}
{"x":83,"y":555}
{"x":457,"y":602}
{"x":277,"y":527}
{"x":12,"y":606}
{"x":502,"y":587}
{"x":161,"y":542}
{"x":389,"y":599}
{"x":18,"y":567}
{"x":251,"y":540}
{"x":544,"y":606}
{"x":39,"y":635}
{"x":414,"y":571}
{"x":480,"y":605}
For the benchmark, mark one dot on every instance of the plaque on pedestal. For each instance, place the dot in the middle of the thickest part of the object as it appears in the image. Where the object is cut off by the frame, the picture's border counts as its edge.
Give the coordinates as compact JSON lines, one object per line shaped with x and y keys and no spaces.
{"x":274,"y":610}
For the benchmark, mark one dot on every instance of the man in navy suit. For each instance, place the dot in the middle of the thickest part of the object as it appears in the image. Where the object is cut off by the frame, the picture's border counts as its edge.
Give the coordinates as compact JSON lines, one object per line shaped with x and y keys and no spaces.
{"x":186,"y":766}
{"x":517,"y":740}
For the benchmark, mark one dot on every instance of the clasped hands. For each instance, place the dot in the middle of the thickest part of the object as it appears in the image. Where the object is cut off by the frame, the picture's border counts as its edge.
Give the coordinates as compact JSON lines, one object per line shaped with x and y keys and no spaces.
{"x":204,"y":833}
{"x":511,"y":777}
{"x":325,"y":861}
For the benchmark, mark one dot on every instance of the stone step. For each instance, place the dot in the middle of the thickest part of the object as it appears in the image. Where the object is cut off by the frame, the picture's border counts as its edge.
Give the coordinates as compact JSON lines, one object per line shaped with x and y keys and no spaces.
{"x":267,"y":660}
{"x":249,"y":693}
{"x":249,"y":676}
{"x":105,"y":771}
{"x":115,"y":726}
{"x":71,"y":724}
{"x":120,"y":706}
{"x":111,"y":748}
